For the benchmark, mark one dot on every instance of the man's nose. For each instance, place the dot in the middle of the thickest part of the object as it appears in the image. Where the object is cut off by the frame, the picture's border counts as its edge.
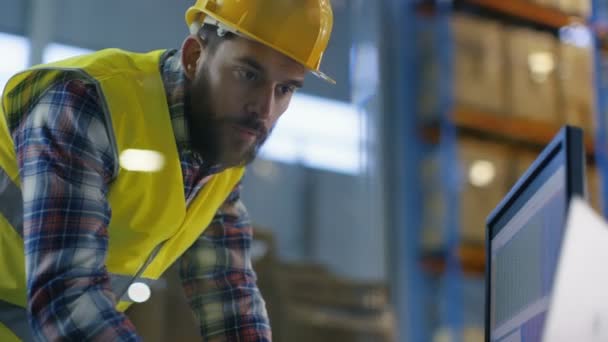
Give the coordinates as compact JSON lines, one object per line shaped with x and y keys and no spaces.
{"x":262,"y":103}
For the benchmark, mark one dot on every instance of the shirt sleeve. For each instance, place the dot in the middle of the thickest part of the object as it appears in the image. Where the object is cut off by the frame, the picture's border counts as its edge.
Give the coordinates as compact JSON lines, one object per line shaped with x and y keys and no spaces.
{"x":66,"y":163}
{"x":219,"y":280}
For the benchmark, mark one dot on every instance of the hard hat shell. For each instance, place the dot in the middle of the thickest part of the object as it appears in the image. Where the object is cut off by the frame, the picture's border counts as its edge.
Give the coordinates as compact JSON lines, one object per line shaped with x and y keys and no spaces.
{"x":299,"y":29}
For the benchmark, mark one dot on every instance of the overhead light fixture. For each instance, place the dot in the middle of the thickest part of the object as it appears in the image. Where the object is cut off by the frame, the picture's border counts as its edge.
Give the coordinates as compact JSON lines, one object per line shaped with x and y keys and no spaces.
{"x":482,"y":173}
{"x":541,"y":64}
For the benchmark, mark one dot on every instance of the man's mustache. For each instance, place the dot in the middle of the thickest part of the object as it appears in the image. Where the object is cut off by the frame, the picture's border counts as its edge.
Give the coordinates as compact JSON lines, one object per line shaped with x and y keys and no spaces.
{"x":251,"y":122}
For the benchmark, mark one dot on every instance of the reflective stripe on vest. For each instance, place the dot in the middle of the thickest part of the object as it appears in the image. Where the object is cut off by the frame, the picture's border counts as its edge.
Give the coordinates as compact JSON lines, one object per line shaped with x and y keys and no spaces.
{"x":15,"y":319}
{"x":12,"y":203}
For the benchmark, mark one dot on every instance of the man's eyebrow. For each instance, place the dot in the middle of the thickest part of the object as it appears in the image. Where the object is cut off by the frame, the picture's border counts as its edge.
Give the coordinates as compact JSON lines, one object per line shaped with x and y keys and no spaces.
{"x":252,"y":63}
{"x":296,"y":83}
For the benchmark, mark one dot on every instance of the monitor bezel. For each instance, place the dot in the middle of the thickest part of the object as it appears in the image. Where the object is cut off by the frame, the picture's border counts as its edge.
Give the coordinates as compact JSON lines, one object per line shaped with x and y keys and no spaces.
{"x":569,"y":140}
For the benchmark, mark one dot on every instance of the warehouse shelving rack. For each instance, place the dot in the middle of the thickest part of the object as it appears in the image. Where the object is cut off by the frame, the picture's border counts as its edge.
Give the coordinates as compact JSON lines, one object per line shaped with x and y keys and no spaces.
{"x":456,"y":259}
{"x":469,"y":121}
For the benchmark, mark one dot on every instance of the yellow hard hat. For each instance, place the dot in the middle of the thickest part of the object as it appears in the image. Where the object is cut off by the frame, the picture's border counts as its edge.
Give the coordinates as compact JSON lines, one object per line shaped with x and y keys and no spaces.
{"x":299,"y":29}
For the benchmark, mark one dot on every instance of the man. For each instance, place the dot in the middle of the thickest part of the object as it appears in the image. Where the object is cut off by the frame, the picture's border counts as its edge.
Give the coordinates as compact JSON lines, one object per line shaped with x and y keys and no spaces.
{"x":114,"y":165}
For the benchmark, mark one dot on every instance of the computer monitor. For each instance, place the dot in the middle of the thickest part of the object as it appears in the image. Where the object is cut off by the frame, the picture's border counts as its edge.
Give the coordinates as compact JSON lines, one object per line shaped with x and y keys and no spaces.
{"x":524,"y":235}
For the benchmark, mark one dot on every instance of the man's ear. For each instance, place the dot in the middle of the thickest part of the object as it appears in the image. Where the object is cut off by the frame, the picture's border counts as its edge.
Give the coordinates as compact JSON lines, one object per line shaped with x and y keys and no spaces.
{"x":193,"y":53}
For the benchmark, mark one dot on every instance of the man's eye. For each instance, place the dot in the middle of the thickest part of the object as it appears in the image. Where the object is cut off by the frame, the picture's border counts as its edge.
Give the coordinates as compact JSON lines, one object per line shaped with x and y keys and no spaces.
{"x":287,"y":89}
{"x":246,"y":75}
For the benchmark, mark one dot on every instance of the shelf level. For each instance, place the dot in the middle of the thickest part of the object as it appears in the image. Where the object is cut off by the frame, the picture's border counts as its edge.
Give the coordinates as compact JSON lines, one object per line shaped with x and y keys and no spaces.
{"x":520,"y":129}
{"x":515,"y":129}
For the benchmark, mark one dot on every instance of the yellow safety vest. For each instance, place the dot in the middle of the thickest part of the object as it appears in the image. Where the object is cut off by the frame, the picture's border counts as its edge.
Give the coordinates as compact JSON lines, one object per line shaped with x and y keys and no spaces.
{"x":150,"y":225}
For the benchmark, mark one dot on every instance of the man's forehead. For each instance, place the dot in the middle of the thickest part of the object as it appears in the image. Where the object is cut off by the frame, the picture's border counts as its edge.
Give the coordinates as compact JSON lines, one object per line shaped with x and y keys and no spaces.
{"x":243,"y":48}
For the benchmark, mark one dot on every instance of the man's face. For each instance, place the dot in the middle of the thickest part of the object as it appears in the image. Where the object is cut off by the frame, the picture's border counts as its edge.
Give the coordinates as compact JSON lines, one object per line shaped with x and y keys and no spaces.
{"x":236,"y":95}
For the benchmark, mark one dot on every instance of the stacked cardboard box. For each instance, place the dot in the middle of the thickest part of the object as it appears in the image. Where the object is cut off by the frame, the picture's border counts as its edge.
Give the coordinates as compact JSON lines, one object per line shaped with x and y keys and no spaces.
{"x":314,"y":323}
{"x":521,"y":72}
{"x":319,"y":306}
{"x":486,"y":173}
{"x":479,"y":63}
{"x":580,"y":8}
{"x":547,"y":3}
{"x":532,"y":75}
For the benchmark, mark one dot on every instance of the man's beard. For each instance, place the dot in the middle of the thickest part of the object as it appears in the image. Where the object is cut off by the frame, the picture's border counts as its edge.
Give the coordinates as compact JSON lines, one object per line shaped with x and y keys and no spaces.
{"x":205,"y":128}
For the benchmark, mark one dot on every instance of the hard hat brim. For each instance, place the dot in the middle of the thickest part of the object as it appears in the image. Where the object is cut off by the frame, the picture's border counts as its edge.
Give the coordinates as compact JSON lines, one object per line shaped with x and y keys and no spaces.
{"x":323,"y":76}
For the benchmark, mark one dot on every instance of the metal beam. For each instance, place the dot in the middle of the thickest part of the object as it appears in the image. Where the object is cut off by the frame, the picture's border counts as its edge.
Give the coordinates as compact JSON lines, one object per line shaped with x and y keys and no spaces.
{"x":41,"y":20}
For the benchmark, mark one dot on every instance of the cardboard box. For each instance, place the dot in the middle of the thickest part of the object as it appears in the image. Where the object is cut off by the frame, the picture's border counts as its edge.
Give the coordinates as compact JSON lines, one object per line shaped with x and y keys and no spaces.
{"x":314,"y":285}
{"x":486,"y":171}
{"x":322,"y":324}
{"x":319,"y":306}
{"x":532,"y":58}
{"x":580,"y":8}
{"x":547,"y":3}
{"x":479,"y":63}
{"x":485,"y":174}
{"x":576,"y":86}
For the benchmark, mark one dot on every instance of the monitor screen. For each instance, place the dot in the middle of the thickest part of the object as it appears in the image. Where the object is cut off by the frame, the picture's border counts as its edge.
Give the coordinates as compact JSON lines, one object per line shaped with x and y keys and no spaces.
{"x":524,"y":238}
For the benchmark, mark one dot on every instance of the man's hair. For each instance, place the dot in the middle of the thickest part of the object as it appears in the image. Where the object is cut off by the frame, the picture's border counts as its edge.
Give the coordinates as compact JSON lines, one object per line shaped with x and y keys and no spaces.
{"x":209,"y":35}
